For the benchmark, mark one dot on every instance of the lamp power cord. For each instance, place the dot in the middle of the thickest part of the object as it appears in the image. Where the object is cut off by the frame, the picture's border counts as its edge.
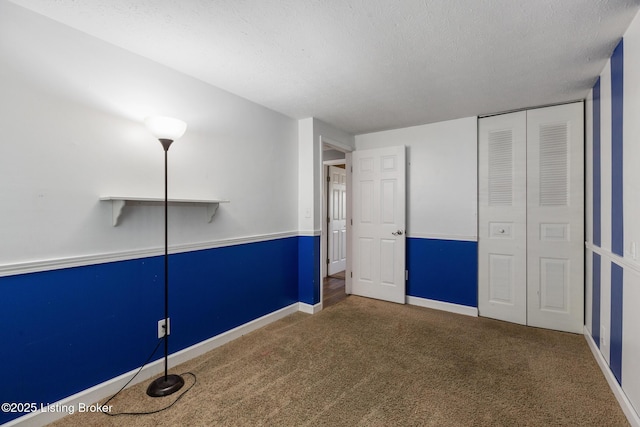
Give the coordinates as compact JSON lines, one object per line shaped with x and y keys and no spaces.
{"x":135,"y":375}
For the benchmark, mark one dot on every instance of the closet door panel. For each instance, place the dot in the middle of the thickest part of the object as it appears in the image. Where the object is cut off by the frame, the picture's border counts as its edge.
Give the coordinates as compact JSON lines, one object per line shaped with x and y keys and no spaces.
{"x":555,"y":217}
{"x":502,"y":269}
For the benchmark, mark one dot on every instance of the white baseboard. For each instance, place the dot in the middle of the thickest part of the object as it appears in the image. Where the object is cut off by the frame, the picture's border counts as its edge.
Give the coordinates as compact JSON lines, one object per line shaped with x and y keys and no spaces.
{"x":444,"y":306}
{"x":625,"y":404}
{"x":308,"y":308}
{"x":110,"y":387}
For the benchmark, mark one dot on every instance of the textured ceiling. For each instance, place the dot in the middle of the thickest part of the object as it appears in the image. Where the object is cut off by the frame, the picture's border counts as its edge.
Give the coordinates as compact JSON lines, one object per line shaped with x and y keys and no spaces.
{"x":368,"y":65}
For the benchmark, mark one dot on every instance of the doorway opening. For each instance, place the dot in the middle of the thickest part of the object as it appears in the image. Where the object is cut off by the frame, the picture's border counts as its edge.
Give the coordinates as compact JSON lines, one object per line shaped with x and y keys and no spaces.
{"x":335,"y":201}
{"x":333,"y":289}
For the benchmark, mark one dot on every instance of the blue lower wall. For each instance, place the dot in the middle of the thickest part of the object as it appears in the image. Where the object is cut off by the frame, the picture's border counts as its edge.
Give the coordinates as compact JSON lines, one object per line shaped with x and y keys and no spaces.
{"x":595,"y":298}
{"x":443,"y":270}
{"x":70,"y":329}
{"x":309,"y":269}
{"x":615,"y":358}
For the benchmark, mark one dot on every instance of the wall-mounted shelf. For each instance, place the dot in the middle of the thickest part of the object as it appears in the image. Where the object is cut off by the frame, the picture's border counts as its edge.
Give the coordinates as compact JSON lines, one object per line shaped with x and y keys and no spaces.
{"x":119,"y":202}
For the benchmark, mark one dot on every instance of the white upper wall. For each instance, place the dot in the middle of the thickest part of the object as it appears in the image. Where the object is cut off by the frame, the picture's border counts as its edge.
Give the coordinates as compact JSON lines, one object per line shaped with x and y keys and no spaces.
{"x":630,"y":262}
{"x":441,"y":176}
{"x":71,"y":112}
{"x":631,"y":206}
{"x":312,"y":134}
{"x":631,"y":134}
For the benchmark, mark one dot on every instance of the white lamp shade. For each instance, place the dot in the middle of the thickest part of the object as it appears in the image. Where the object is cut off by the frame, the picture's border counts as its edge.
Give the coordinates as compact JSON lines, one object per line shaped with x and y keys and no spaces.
{"x":165,"y":127}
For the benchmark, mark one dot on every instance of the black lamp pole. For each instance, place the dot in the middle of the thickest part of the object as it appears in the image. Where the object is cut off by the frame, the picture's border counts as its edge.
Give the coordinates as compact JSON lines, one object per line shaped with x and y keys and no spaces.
{"x":166,"y":384}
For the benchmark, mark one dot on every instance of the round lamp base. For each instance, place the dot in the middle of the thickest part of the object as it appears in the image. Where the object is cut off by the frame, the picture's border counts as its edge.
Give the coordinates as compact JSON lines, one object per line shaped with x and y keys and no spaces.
{"x":165,"y":386}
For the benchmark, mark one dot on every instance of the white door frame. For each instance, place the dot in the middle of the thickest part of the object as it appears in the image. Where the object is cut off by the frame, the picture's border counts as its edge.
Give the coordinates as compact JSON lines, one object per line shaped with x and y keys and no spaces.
{"x":325,"y":212}
{"x":329,"y":197}
{"x":323,"y":223}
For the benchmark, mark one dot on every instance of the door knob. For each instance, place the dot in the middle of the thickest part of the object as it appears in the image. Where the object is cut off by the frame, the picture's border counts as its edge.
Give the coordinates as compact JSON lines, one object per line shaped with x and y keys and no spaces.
{"x":397,"y":233}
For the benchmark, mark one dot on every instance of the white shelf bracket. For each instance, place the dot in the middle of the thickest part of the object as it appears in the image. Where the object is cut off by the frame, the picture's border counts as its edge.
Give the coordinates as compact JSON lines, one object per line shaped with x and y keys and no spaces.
{"x":212,"y":208}
{"x":116,"y":210}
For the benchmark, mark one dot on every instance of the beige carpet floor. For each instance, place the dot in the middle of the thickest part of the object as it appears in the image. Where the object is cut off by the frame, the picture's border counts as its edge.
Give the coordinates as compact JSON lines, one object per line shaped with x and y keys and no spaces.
{"x":364,"y":362}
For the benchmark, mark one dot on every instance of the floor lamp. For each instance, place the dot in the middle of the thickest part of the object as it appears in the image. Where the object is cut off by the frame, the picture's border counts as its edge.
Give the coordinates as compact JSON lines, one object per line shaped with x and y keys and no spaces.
{"x":167,"y":130}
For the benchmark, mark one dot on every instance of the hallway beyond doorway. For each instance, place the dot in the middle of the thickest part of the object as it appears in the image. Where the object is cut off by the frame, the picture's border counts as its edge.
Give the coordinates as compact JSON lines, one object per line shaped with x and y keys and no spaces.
{"x":333,"y":289}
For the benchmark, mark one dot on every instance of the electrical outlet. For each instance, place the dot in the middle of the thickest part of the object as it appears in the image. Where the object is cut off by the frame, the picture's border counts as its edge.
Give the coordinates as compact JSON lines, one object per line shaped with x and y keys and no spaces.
{"x":603,"y":336}
{"x":161,"y":328}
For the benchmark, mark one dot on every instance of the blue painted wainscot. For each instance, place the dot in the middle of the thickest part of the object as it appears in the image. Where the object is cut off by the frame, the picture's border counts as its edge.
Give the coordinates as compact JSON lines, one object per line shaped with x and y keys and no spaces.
{"x":66,"y":330}
{"x":443,"y":270}
{"x":309,"y":269}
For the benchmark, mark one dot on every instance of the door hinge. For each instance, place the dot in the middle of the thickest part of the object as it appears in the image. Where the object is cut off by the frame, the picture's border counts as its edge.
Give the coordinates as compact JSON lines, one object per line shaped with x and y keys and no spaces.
{"x":406,"y":275}
{"x":351,"y":273}
{"x":328,"y":220}
{"x":328,"y":179}
{"x":328,"y":261}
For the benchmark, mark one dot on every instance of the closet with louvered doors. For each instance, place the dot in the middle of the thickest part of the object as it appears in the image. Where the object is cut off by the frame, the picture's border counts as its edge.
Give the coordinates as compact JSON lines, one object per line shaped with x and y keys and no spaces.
{"x":531,"y":217}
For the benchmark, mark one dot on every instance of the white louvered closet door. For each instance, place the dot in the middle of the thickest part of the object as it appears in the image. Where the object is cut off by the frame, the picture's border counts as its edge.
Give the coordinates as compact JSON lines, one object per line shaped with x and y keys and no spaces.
{"x":555,"y":206}
{"x":502,"y":210}
{"x":530,"y":244}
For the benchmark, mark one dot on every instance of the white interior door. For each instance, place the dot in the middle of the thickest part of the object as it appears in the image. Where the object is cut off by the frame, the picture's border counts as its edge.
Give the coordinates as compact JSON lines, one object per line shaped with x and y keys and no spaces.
{"x":337,"y":220}
{"x":555,"y":204}
{"x":502,"y":218}
{"x":379,"y":228}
